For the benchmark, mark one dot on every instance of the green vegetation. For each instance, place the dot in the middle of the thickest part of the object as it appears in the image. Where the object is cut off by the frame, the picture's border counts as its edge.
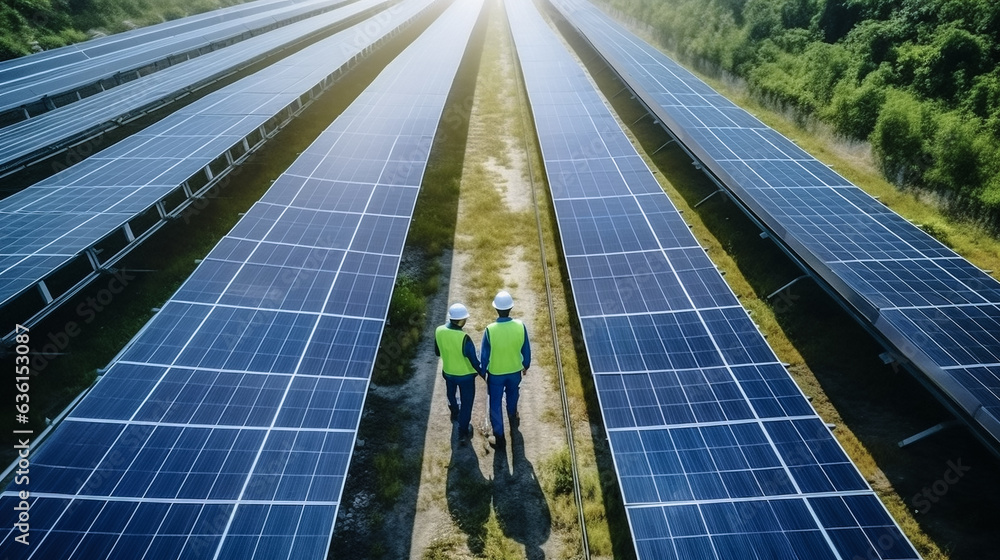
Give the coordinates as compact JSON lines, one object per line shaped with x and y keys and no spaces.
{"x":54,"y":23}
{"x":919,"y":79}
{"x":390,"y":467}
{"x":498,"y":546}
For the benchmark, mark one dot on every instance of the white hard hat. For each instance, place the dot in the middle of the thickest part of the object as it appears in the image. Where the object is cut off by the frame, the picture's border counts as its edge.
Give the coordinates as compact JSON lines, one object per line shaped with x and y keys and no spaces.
{"x":503,"y":301}
{"x":457,"y":312}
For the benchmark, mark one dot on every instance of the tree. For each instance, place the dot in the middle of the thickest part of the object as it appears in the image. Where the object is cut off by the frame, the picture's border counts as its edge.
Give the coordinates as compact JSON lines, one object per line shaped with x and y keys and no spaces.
{"x":854,"y":109}
{"x":898,"y":137}
{"x":957,"y":153}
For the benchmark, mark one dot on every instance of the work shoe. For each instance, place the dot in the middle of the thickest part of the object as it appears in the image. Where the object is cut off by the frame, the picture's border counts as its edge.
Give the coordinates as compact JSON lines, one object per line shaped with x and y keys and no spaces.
{"x":463,"y":438}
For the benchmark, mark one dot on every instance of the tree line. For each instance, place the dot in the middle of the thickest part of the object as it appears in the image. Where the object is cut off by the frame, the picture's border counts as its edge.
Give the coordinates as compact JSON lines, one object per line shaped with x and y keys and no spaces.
{"x":918,"y":79}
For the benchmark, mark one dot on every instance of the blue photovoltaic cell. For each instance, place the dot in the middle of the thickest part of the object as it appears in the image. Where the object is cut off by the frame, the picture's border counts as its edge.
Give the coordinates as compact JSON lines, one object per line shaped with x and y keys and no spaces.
{"x":935,"y":307}
{"x":225,"y":429}
{"x":718,"y":453}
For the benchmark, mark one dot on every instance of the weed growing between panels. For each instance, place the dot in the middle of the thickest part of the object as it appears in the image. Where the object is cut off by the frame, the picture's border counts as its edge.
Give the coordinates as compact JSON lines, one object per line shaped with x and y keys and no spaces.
{"x":873,"y":405}
{"x":87,"y":332}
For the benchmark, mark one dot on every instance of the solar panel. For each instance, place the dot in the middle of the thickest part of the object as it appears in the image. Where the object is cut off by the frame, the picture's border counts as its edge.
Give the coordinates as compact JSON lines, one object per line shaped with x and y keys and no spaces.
{"x":225,"y":428}
{"x":40,"y":83}
{"x":60,"y":57}
{"x":27,"y":141}
{"x":718,"y":453}
{"x":935,"y":310}
{"x":65,"y":215}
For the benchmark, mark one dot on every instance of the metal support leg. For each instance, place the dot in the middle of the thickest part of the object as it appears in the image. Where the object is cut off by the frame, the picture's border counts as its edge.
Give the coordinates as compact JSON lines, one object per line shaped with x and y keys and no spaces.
{"x":95,"y":262}
{"x":667,"y":143}
{"x":929,"y":432}
{"x":704,"y":200}
{"x":786,"y":286}
{"x":44,"y":291}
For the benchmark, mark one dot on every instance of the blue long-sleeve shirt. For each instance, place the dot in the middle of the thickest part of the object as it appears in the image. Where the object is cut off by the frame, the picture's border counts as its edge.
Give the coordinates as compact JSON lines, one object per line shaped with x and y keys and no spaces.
{"x":468,"y":349}
{"x":525,"y":347}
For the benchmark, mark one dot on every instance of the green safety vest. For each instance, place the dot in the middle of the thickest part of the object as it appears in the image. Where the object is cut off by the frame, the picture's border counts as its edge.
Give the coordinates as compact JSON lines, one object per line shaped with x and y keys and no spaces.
{"x":506,"y":340}
{"x":450,"y":342}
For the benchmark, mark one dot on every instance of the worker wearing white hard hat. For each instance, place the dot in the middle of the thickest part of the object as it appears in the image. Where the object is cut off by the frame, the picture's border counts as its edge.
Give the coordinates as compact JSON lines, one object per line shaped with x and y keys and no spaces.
{"x":506,"y":355}
{"x":459,"y":366}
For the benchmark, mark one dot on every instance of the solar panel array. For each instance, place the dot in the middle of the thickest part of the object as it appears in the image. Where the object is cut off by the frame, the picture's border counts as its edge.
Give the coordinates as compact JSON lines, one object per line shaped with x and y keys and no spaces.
{"x":24,"y":142}
{"x":58,"y":220}
{"x":940,"y":312}
{"x":225,"y":429}
{"x":58,"y":58}
{"x":718,"y":453}
{"x":31,"y":87}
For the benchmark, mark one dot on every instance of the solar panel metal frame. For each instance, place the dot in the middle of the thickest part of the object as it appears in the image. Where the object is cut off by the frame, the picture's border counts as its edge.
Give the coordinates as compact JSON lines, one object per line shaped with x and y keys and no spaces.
{"x":974,"y":398}
{"x":673,"y":453}
{"x":251,"y":399}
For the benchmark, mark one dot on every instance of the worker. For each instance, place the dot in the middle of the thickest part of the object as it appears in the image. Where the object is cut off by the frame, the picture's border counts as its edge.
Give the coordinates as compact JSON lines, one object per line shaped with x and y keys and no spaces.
{"x":459,"y":366}
{"x":506,"y":355}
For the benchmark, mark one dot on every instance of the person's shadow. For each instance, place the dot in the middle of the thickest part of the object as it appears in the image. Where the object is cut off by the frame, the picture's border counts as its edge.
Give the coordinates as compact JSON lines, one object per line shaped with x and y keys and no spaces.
{"x":520,"y":504}
{"x":468,"y":493}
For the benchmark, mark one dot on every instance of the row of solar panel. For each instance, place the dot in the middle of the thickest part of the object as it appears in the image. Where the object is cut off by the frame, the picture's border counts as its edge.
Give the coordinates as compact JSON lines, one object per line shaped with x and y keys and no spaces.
{"x":55,"y":59}
{"x":30,"y":140}
{"x":243,"y":452}
{"x":30,"y":89}
{"x":932,"y":307}
{"x":53,"y":223}
{"x":718,"y":453}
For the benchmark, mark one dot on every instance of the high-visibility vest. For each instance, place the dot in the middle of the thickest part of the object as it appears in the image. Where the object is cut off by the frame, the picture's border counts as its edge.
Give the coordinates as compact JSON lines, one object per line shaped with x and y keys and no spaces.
{"x":450,"y":342}
{"x":506,"y":340}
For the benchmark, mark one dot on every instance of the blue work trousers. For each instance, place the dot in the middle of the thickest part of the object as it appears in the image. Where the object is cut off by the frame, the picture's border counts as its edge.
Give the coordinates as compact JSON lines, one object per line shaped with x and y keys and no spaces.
{"x":497,"y":386}
{"x":465,"y":386}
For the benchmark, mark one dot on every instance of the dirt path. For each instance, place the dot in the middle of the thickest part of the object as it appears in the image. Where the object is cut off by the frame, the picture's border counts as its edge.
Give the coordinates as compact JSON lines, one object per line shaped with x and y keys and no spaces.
{"x":468,"y":492}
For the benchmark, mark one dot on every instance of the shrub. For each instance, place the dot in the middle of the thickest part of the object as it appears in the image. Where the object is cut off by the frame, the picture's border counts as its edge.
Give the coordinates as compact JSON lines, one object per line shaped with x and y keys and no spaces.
{"x":898,"y":137}
{"x":407,"y":305}
{"x":854,"y":109}
{"x":957,"y":152}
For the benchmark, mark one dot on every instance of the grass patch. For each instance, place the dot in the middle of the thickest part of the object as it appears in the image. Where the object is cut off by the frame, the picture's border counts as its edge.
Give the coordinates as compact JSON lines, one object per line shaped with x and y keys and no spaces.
{"x":389,"y":468}
{"x":496,"y":545}
{"x":445,"y":548}
{"x":401,"y":335}
{"x":496,"y":229}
